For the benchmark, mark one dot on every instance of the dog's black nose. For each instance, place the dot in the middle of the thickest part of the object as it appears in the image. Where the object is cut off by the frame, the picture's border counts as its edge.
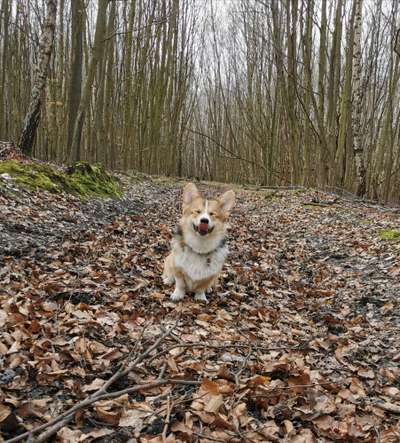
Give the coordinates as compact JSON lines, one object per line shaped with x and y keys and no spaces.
{"x":204,"y":220}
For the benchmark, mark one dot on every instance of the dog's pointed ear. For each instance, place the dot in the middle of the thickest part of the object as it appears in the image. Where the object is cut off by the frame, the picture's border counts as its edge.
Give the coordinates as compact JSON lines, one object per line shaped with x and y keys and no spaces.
{"x":190,"y":192}
{"x":227,"y":200}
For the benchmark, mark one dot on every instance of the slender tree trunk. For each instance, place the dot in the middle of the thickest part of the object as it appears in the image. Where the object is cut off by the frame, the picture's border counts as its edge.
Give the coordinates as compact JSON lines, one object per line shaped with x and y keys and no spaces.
{"x":333,"y":95}
{"x":75,"y":82}
{"x":45,"y":49}
{"x":357,"y":102}
{"x":4,"y":25}
{"x":97,"y":54}
{"x":307,"y":48}
{"x":110,"y":156}
{"x":127,"y":57}
{"x":292,"y":24}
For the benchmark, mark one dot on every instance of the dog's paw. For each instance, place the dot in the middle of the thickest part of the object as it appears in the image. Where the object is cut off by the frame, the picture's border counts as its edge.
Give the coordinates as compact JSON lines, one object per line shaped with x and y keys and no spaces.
{"x":177,"y":295}
{"x":201,"y":296}
{"x":168,"y":280}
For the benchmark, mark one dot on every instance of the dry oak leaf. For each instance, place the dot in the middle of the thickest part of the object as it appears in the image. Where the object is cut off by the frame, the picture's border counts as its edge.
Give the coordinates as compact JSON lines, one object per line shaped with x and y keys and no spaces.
{"x":324,"y":423}
{"x":67,"y":435}
{"x":304,"y":436}
{"x":107,"y":416}
{"x":391,"y":435}
{"x":391,"y":374}
{"x":214,"y":403}
{"x":221,"y":421}
{"x":96,"y":384}
{"x":5,"y":411}
{"x":289,"y":428}
{"x":324,"y":404}
{"x":210,"y":386}
{"x":133,"y":418}
{"x":179,"y":426}
{"x":3,"y":317}
{"x":357,"y":388}
{"x":258,"y":380}
{"x":296,"y":382}
{"x":206,"y":417}
{"x":270,"y":430}
{"x":366,"y":373}
{"x":392,"y":391}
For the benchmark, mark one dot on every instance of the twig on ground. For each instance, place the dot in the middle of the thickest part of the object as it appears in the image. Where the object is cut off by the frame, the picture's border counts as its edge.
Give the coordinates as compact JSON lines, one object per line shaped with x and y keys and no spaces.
{"x":253,"y":347}
{"x":54,"y":425}
{"x":167,"y":418}
{"x":243,"y":366}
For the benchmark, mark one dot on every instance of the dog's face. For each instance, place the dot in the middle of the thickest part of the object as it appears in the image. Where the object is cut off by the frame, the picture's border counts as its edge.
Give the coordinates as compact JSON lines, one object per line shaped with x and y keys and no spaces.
{"x":205,"y":217}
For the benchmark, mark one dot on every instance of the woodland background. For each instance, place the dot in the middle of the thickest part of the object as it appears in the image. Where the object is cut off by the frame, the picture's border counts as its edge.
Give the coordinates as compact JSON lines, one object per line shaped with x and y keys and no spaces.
{"x":272,"y":92}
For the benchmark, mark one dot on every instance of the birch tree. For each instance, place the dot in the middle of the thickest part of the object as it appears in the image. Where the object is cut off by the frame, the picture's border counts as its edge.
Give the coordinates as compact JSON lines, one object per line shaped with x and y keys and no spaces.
{"x":358,"y":148}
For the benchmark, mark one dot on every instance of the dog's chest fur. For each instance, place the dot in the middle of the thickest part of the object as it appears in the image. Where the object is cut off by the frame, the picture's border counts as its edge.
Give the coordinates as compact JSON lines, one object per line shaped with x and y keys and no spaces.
{"x":199,"y":266}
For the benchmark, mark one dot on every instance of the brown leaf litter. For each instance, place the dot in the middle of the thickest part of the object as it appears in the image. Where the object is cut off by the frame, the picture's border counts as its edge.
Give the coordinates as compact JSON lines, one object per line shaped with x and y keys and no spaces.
{"x":298,"y":344}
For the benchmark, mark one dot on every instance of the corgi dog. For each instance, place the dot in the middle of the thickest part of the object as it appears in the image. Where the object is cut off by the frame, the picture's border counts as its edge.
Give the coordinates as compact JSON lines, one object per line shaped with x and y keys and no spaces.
{"x":199,"y":246}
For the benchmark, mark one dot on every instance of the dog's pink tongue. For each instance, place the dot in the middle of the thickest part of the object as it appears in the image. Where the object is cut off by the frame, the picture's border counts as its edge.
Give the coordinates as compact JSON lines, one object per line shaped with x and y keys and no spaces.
{"x":203,"y":227}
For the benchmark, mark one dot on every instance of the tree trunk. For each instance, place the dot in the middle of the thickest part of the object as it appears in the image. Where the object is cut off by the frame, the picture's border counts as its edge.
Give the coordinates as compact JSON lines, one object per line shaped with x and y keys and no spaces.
{"x":4,"y":25}
{"x":97,"y":53}
{"x":357,"y":102}
{"x":75,"y":83}
{"x":45,"y":49}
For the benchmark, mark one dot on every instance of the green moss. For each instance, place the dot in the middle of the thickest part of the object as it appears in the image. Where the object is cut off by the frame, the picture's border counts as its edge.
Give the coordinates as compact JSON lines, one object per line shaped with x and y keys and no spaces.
{"x":32,"y":175}
{"x":82,"y":178}
{"x":389,"y":234}
{"x":91,"y":180}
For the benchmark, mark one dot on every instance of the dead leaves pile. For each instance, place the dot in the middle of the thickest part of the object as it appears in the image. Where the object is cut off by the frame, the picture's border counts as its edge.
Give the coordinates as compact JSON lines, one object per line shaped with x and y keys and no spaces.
{"x":298,"y":344}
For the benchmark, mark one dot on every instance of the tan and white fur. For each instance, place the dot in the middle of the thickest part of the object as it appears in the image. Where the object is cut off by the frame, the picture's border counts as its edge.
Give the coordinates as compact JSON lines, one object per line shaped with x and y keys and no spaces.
{"x":199,"y":249}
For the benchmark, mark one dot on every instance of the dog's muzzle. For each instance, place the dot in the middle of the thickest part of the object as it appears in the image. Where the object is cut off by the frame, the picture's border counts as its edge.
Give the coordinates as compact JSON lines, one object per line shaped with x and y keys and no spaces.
{"x":203,"y":228}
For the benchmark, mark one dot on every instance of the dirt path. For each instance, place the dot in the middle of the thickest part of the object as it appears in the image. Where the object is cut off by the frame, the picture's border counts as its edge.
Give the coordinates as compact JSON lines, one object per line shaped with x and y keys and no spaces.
{"x":80,"y":287}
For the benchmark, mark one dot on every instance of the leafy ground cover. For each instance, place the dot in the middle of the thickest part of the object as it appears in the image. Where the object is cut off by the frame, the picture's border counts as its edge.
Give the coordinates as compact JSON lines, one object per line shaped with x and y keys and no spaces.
{"x":299,"y":343}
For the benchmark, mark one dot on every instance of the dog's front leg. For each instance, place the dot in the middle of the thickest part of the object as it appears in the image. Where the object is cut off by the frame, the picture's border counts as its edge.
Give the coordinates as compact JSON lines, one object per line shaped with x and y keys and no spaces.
{"x":179,"y":292}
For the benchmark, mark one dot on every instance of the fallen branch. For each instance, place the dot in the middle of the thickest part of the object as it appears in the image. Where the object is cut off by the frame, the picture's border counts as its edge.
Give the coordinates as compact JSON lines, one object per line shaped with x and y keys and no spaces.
{"x":252,"y":347}
{"x":107,"y":396}
{"x":167,"y":420}
{"x":61,"y":420}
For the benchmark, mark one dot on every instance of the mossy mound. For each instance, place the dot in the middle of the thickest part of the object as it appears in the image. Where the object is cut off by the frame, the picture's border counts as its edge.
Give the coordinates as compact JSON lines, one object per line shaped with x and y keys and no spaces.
{"x":88,"y":180}
{"x":82,"y":178}
{"x":389,"y":234}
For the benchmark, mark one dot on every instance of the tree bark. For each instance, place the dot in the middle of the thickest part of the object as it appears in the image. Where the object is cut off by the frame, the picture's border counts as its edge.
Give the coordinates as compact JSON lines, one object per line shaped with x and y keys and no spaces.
{"x":45,"y":49}
{"x":75,"y":83}
{"x":357,"y":102}
{"x":4,"y":25}
{"x":97,"y":54}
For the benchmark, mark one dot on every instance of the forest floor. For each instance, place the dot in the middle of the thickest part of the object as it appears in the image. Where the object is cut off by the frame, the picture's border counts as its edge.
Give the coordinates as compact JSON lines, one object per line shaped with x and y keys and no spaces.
{"x":299,"y":343}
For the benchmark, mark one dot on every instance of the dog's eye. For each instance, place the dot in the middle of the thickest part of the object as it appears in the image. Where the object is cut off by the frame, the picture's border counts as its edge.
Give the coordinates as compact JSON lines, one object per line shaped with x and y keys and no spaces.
{"x":197,"y":212}
{"x":212,"y":214}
